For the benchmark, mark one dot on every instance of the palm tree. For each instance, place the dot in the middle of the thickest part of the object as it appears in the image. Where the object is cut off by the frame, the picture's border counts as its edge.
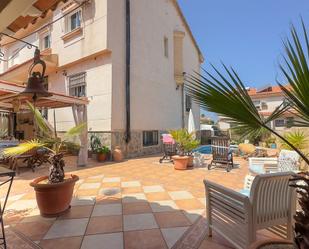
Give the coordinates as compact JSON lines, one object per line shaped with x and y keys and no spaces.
{"x":50,"y":142}
{"x":227,"y":96}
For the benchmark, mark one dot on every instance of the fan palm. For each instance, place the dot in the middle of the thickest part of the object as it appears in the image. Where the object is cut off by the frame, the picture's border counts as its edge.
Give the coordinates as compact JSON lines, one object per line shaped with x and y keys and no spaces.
{"x":227,"y":95}
{"x":49,"y":142}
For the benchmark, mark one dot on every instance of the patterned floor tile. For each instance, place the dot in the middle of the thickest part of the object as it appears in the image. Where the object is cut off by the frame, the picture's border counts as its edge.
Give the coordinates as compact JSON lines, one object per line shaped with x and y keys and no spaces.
{"x":107,"y":209}
{"x":136,"y":208}
{"x":180,"y":195}
{"x":189,"y":204}
{"x":23,"y":205}
{"x":93,"y":185}
{"x":130,"y":184}
{"x":67,"y":228}
{"x":153,"y":189}
{"x":139,"y":222}
{"x":34,"y":230}
{"x":82,"y":201}
{"x":76,"y":212}
{"x":104,"y":224}
{"x":163,"y":206}
{"x":158,"y":196}
{"x":147,"y":239}
{"x":193,"y":215}
{"x":171,"y":219}
{"x":172,"y":235}
{"x":63,"y":243}
{"x":111,"y":179}
{"x":103,"y":241}
{"x":139,"y":197}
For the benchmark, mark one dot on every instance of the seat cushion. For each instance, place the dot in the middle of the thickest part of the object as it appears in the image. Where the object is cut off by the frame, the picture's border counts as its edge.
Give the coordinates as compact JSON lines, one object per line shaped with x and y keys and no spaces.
{"x":245,"y":192}
{"x":257,"y":169}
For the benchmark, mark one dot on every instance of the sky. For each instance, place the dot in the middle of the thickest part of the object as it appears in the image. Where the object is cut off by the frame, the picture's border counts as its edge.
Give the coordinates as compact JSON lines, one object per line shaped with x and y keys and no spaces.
{"x":244,"y":34}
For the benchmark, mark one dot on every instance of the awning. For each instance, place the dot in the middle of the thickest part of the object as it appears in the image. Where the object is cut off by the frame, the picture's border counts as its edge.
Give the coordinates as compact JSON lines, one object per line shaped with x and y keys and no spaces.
{"x":9,"y":97}
{"x":19,"y":73}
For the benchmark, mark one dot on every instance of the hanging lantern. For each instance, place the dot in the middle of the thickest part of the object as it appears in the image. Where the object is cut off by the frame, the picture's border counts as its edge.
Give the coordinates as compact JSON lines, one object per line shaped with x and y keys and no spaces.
{"x":35,"y":87}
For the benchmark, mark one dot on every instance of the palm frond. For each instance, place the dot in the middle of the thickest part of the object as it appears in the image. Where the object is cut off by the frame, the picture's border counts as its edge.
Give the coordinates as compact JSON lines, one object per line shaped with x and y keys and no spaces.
{"x":228,"y":97}
{"x":22,"y":148}
{"x":297,"y":138}
{"x":296,"y":72}
{"x":75,"y":131}
{"x":40,"y":121}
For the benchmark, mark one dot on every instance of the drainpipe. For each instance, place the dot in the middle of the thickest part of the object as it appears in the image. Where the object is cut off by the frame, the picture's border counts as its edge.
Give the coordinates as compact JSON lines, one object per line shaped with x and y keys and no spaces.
{"x":183,"y":101}
{"x":128,"y":61}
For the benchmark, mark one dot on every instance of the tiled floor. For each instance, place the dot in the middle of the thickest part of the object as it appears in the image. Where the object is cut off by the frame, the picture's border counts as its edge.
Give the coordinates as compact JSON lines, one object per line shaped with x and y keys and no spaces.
{"x":129,"y":205}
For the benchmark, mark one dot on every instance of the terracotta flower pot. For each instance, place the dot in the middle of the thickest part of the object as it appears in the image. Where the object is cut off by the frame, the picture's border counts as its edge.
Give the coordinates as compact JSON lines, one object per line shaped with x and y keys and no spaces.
{"x":190,"y":161}
{"x":180,"y":162}
{"x":101,"y":157}
{"x":54,"y":199}
{"x":117,"y":154}
{"x":272,"y":243}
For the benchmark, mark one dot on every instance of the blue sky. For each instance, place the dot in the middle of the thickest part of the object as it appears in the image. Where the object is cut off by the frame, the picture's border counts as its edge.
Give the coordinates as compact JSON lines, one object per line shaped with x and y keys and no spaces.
{"x":244,"y":34}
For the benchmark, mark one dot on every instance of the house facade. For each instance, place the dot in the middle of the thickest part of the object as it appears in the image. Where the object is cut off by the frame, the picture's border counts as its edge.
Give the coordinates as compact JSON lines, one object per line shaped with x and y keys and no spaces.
{"x":266,"y":100}
{"x":129,"y":58}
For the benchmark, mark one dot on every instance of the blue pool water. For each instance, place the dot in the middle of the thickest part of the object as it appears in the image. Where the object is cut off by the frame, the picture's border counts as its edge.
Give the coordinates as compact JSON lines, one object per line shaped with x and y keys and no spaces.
{"x":204,"y":149}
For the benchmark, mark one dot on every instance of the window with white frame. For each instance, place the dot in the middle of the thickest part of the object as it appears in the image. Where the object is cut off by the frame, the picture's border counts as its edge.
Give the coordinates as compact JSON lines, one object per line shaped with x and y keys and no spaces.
{"x":280,"y":123}
{"x":77,"y":85}
{"x":73,"y":21}
{"x":45,"y":41}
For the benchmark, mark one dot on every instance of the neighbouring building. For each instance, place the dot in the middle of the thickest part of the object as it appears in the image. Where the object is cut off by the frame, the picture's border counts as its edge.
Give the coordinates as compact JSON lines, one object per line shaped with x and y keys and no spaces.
{"x":128,"y":57}
{"x":266,"y":100}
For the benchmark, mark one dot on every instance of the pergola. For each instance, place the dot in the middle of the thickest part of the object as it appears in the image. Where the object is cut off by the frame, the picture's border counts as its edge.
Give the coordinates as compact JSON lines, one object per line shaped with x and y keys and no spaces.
{"x":10,"y":98}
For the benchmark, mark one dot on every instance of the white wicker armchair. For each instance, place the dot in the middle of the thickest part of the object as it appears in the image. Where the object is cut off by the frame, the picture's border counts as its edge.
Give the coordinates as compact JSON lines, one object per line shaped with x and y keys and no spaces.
{"x":237,"y":217}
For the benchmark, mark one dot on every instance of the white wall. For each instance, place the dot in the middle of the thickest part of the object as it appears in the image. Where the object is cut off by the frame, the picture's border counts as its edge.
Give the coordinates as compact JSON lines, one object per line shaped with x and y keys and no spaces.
{"x":155,"y":102}
{"x":98,"y":89}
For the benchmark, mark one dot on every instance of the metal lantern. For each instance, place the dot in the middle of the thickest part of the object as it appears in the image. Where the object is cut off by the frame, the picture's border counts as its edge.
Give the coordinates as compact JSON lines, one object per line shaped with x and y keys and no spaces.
{"x":35,"y":87}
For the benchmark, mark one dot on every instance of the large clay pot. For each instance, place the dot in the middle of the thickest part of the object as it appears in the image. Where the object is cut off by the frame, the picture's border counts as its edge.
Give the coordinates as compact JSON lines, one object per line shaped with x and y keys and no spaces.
{"x":180,"y":162}
{"x":272,"y":244}
{"x":117,"y":154}
{"x":101,"y":157}
{"x":190,"y":161}
{"x":54,"y":199}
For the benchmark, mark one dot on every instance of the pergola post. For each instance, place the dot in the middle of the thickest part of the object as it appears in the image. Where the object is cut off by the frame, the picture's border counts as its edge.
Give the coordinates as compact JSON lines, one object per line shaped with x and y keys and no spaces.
{"x":80,"y":116}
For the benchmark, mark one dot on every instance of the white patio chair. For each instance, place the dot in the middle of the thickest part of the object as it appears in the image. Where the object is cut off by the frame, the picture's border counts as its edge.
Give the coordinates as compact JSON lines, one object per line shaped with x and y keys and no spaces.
{"x":287,"y":161}
{"x":237,"y":217}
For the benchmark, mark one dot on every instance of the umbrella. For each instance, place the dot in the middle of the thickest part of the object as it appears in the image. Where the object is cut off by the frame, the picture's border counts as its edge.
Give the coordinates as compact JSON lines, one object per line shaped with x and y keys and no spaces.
{"x":191,"y":125}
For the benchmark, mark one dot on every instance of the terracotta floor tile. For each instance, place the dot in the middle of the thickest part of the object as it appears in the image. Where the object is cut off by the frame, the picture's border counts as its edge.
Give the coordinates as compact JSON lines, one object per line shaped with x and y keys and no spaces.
{"x":87,"y":192}
{"x":136,"y":208}
{"x":171,"y":219}
{"x":104,"y":224}
{"x":147,"y":239}
{"x":110,"y":184}
{"x":159,"y":196}
{"x":64,"y":243}
{"x":189,"y":204}
{"x":132,"y":190}
{"x":103,"y":241}
{"x":34,"y":230}
{"x":102,"y":199}
{"x":76,"y":212}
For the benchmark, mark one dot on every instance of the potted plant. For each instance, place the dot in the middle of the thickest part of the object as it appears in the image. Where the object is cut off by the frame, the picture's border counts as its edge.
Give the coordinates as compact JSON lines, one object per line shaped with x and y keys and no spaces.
{"x":190,"y":145}
{"x":102,"y":153}
{"x":181,"y":138}
{"x":53,"y":192}
{"x":95,"y":143}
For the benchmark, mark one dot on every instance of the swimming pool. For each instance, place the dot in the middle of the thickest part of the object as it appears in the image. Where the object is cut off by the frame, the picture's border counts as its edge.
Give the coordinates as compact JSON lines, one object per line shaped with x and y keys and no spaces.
{"x":204,"y":149}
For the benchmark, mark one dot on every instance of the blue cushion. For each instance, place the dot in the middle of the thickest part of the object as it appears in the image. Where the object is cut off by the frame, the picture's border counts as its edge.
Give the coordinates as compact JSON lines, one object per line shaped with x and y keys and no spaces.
{"x":257,"y":169}
{"x":245,"y":192}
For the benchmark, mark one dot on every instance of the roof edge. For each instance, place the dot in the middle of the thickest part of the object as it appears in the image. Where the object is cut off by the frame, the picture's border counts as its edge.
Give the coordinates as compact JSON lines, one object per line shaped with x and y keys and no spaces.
{"x":201,"y":57}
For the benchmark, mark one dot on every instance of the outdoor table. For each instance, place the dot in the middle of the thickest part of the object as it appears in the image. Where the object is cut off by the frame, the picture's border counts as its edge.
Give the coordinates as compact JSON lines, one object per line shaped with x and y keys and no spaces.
{"x":8,"y":176}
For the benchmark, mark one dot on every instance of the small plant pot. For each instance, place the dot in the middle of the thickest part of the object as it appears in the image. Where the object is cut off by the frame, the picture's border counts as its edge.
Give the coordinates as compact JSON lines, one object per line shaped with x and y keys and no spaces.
{"x":180,"y":162}
{"x":190,"y":161}
{"x":117,"y":154}
{"x":101,"y":157}
{"x":53,"y":199}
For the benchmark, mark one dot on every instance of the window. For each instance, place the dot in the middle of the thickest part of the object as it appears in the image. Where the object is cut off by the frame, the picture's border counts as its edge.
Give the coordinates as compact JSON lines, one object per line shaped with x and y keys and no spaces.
{"x":188,"y":103}
{"x":166,"y":47}
{"x":45,"y":41}
{"x":289,"y":122}
{"x":279,"y":123}
{"x":73,"y":21}
{"x":77,"y":85}
{"x":257,"y":104}
{"x":150,"y":138}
